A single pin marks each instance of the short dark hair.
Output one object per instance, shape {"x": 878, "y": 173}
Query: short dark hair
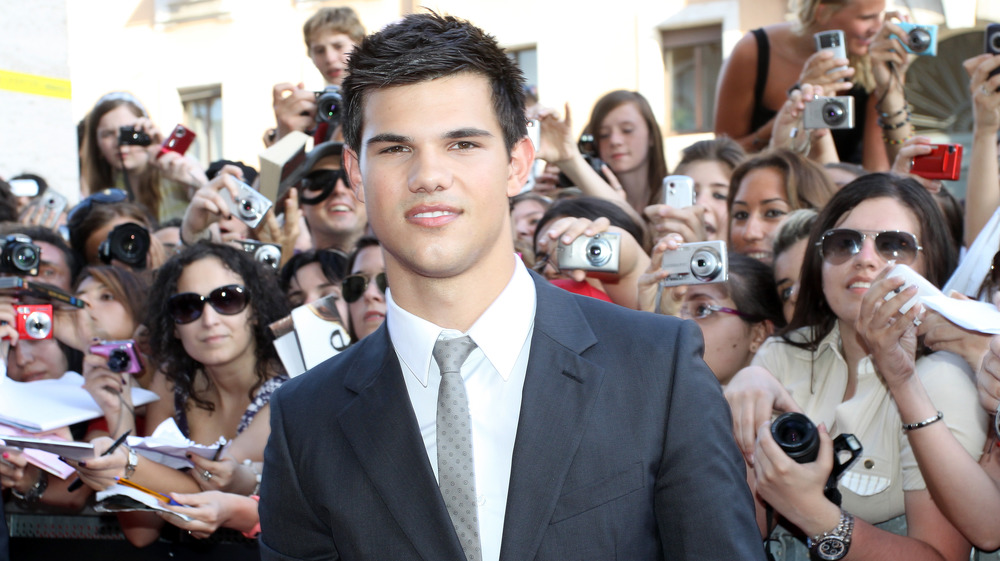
{"x": 722, "y": 149}
{"x": 332, "y": 262}
{"x": 751, "y": 286}
{"x": 267, "y": 304}
{"x": 423, "y": 47}
{"x": 811, "y": 308}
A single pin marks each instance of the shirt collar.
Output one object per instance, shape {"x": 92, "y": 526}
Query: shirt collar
{"x": 500, "y": 331}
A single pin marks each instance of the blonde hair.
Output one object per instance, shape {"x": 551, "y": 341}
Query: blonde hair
{"x": 805, "y": 11}
{"x": 338, "y": 20}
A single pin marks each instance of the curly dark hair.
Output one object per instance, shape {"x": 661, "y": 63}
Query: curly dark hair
{"x": 266, "y": 301}
{"x": 423, "y": 47}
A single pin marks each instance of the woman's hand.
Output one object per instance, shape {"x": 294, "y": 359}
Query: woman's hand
{"x": 789, "y": 132}
{"x": 649, "y": 282}
{"x": 112, "y": 391}
{"x": 912, "y": 148}
{"x": 754, "y": 395}
{"x": 225, "y": 474}
{"x": 102, "y": 471}
{"x": 985, "y": 98}
{"x": 988, "y": 377}
{"x": 888, "y": 55}
{"x": 564, "y": 231}
{"x": 212, "y": 510}
{"x": 940, "y": 334}
{"x": 689, "y": 222}
{"x": 15, "y": 472}
{"x": 209, "y": 205}
{"x": 182, "y": 169}
{"x": 556, "y": 135}
{"x": 285, "y": 235}
{"x": 891, "y": 336}
{"x": 8, "y": 319}
{"x": 818, "y": 71}
{"x": 796, "y": 490}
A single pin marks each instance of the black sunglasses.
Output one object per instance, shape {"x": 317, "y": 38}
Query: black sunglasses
{"x": 837, "y": 246}
{"x": 82, "y": 209}
{"x": 355, "y": 285}
{"x": 322, "y": 181}
{"x": 188, "y": 306}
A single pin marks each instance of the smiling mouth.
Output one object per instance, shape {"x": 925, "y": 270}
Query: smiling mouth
{"x": 859, "y": 284}
{"x": 433, "y": 214}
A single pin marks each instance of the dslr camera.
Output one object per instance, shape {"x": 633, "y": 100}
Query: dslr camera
{"x": 696, "y": 263}
{"x": 249, "y": 206}
{"x": 121, "y": 356}
{"x": 34, "y": 321}
{"x": 829, "y": 113}
{"x": 266, "y": 253}
{"x": 798, "y": 437}
{"x": 599, "y": 253}
{"x": 328, "y": 104}
{"x": 128, "y": 243}
{"x": 19, "y": 256}
{"x": 920, "y": 39}
{"x": 130, "y": 136}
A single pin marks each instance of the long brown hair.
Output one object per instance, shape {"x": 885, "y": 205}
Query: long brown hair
{"x": 97, "y": 172}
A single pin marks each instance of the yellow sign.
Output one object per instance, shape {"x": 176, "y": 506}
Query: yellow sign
{"x": 35, "y": 85}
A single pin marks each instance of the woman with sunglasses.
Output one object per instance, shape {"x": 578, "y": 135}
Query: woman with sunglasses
{"x": 364, "y": 289}
{"x": 849, "y": 360}
{"x": 736, "y": 316}
{"x": 208, "y": 320}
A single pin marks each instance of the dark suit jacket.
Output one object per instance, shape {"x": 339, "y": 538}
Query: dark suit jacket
{"x": 624, "y": 450}
{"x": 4, "y": 534}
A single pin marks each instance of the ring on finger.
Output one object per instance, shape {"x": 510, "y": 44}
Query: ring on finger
{"x": 207, "y": 475}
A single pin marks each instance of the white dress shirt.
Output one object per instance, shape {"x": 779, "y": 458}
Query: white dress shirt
{"x": 494, "y": 378}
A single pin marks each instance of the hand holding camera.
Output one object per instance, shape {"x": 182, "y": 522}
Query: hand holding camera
{"x": 829, "y": 65}
{"x": 294, "y": 108}
{"x": 210, "y": 204}
{"x": 678, "y": 213}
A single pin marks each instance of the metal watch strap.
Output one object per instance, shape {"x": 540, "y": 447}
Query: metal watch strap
{"x": 133, "y": 460}
{"x": 35, "y": 492}
{"x": 834, "y": 544}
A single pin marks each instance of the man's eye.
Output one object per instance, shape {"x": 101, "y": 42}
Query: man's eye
{"x": 394, "y": 150}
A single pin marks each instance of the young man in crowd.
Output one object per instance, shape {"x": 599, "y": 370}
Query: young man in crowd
{"x": 330, "y": 35}
{"x": 493, "y": 416}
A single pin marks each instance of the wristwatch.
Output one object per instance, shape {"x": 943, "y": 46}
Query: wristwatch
{"x": 34, "y": 493}
{"x": 834, "y": 544}
{"x": 133, "y": 460}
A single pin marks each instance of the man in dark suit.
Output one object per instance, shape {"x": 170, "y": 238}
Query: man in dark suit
{"x": 594, "y": 432}
{"x": 4, "y": 535}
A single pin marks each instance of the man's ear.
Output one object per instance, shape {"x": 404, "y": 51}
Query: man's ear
{"x": 522, "y": 157}
{"x": 353, "y": 168}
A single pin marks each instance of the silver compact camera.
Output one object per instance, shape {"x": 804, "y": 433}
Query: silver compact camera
{"x": 266, "y": 253}
{"x": 829, "y": 113}
{"x": 598, "y": 253}
{"x": 696, "y": 263}
{"x": 249, "y": 206}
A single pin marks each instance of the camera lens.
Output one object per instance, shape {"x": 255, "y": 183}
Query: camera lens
{"x": 247, "y": 209}
{"x": 38, "y": 325}
{"x": 994, "y": 43}
{"x": 797, "y": 436}
{"x": 25, "y": 257}
{"x": 833, "y": 113}
{"x": 705, "y": 265}
{"x": 919, "y": 39}
{"x": 598, "y": 251}
{"x": 268, "y": 255}
{"x": 118, "y": 361}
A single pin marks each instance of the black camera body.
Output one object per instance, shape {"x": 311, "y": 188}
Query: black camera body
{"x": 130, "y": 136}
{"x": 19, "y": 256}
{"x": 328, "y": 103}
{"x": 128, "y": 243}
{"x": 993, "y": 45}
{"x": 798, "y": 437}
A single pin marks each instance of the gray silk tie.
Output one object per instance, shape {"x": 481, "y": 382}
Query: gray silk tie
{"x": 456, "y": 471}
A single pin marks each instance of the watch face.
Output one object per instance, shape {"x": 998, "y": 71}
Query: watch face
{"x": 831, "y": 548}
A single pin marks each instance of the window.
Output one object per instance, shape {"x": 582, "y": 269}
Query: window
{"x": 692, "y": 59}
{"x": 180, "y": 11}
{"x": 527, "y": 60}
{"x": 203, "y": 115}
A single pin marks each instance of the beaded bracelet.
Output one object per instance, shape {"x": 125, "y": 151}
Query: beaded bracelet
{"x": 886, "y": 127}
{"x": 896, "y": 114}
{"x": 895, "y": 141}
{"x": 929, "y": 421}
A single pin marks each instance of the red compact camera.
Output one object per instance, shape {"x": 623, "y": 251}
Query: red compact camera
{"x": 178, "y": 141}
{"x": 34, "y": 321}
{"x": 944, "y": 162}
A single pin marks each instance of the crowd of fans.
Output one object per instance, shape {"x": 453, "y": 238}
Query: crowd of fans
{"x": 811, "y": 222}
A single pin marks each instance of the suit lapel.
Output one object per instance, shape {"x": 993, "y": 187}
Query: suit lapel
{"x": 560, "y": 389}
{"x": 382, "y": 430}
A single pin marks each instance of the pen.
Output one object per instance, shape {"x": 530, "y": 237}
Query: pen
{"x": 218, "y": 452}
{"x": 121, "y": 439}
{"x": 160, "y": 497}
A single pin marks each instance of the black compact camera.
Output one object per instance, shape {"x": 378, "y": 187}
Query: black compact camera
{"x": 798, "y": 437}
{"x": 130, "y": 136}
{"x": 128, "y": 243}
{"x": 993, "y": 44}
{"x": 19, "y": 256}
{"x": 266, "y": 253}
{"x": 328, "y": 104}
